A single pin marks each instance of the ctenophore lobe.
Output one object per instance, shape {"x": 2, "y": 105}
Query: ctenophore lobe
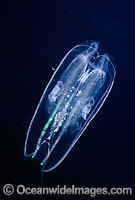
{"x": 72, "y": 98}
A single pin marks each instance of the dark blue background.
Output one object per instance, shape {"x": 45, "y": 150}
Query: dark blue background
{"x": 35, "y": 35}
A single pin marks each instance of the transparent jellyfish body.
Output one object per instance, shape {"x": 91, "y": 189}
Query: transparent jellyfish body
{"x": 72, "y": 98}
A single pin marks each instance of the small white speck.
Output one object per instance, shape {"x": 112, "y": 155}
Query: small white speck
{"x": 79, "y": 92}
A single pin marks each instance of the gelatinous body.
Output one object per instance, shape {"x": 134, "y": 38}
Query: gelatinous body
{"x": 71, "y": 100}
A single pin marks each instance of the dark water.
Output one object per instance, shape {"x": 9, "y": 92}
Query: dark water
{"x": 35, "y": 35}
